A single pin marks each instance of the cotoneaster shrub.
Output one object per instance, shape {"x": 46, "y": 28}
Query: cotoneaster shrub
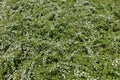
{"x": 59, "y": 40}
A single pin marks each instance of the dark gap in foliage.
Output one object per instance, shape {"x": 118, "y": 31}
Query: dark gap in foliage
{"x": 117, "y": 14}
{"x": 51, "y": 60}
{"x": 84, "y": 50}
{"x": 6, "y": 48}
{"x": 78, "y": 38}
{"x": 52, "y": 17}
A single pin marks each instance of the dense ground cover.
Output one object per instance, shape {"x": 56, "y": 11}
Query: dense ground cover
{"x": 59, "y": 39}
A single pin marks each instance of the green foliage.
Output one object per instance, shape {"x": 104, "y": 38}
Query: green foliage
{"x": 59, "y": 40}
